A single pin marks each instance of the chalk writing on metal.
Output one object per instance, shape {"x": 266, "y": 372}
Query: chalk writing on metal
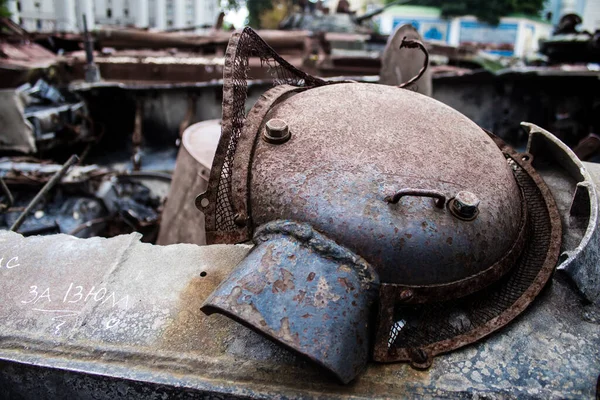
{"x": 11, "y": 262}
{"x": 48, "y": 299}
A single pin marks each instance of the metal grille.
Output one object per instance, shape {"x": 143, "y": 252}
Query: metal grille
{"x": 242, "y": 47}
{"x": 430, "y": 329}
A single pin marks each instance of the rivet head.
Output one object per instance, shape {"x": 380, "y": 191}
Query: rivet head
{"x": 465, "y": 205}
{"x": 240, "y": 219}
{"x": 276, "y": 131}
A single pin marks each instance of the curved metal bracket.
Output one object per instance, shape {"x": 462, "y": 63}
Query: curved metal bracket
{"x": 415, "y": 44}
{"x": 581, "y": 260}
{"x": 439, "y": 196}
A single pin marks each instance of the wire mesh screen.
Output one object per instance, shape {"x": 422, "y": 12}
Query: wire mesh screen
{"x": 419, "y": 326}
{"x": 243, "y": 47}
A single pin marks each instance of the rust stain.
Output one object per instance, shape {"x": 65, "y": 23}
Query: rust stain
{"x": 254, "y": 283}
{"x": 346, "y": 284}
{"x": 267, "y": 259}
{"x": 191, "y": 329}
{"x": 286, "y": 283}
{"x": 246, "y": 311}
{"x": 285, "y": 333}
{"x": 300, "y": 296}
{"x": 311, "y": 276}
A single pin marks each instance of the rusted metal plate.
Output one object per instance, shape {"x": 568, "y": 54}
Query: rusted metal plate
{"x": 361, "y": 143}
{"x": 25, "y": 55}
{"x": 305, "y": 292}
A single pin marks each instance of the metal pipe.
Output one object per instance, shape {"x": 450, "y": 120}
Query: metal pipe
{"x": 49, "y": 185}
{"x": 87, "y": 42}
{"x": 379, "y": 10}
{"x": 89, "y": 224}
{"x": 9, "y": 196}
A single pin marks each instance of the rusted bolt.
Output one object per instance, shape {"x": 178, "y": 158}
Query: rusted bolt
{"x": 419, "y": 358}
{"x": 276, "y": 131}
{"x": 406, "y": 294}
{"x": 465, "y": 205}
{"x": 240, "y": 219}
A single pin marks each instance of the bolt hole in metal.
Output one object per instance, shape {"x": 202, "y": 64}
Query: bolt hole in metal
{"x": 203, "y": 274}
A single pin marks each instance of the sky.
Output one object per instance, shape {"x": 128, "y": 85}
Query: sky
{"x": 237, "y": 18}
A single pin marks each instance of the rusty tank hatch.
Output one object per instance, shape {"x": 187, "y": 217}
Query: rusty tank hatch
{"x": 386, "y": 224}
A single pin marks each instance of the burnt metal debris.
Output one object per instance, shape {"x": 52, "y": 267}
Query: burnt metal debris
{"x": 580, "y": 258}
{"x": 84, "y": 201}
{"x": 437, "y": 208}
{"x": 40, "y": 195}
{"x": 41, "y": 117}
{"x": 569, "y": 45}
{"x": 333, "y": 274}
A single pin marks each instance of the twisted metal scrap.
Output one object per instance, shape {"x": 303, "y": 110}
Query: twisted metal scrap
{"x": 415, "y": 44}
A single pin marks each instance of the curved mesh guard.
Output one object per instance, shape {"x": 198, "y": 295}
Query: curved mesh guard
{"x": 417, "y": 333}
{"x": 220, "y": 215}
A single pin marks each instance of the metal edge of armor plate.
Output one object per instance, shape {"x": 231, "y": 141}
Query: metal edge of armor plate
{"x": 581, "y": 263}
{"x": 305, "y": 292}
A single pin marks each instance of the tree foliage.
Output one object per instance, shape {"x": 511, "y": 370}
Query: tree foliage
{"x": 255, "y": 9}
{"x": 4, "y": 8}
{"x": 489, "y": 11}
{"x": 264, "y": 14}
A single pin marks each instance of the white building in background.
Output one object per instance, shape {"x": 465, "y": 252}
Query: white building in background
{"x": 513, "y": 36}
{"x": 67, "y": 15}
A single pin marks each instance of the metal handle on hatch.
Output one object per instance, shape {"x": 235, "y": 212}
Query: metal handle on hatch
{"x": 440, "y": 198}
